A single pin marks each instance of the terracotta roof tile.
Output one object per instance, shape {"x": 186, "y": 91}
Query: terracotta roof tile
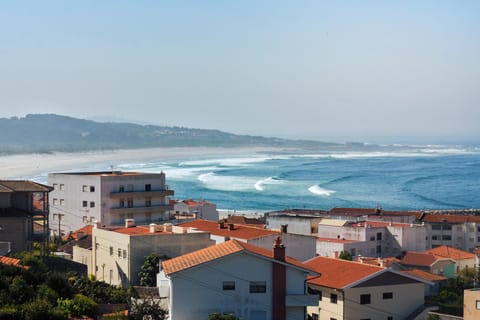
{"x": 86, "y": 230}
{"x": 138, "y": 231}
{"x": 419, "y": 259}
{"x": 240, "y": 231}
{"x": 218, "y": 251}
{"x": 12, "y": 262}
{"x": 452, "y": 253}
{"x": 338, "y": 273}
{"x": 424, "y": 275}
{"x": 450, "y": 218}
{"x": 23, "y": 185}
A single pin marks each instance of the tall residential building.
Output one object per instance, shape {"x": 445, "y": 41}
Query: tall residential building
{"x": 80, "y": 198}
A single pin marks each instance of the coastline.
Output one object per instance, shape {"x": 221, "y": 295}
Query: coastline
{"x": 25, "y": 166}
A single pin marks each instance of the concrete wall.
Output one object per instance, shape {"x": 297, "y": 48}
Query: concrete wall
{"x": 5, "y": 200}
{"x": 17, "y": 231}
{"x": 297, "y": 246}
{"x": 83, "y": 256}
{"x": 326, "y": 310}
{"x": 296, "y": 224}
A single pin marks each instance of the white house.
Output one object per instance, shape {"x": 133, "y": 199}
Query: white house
{"x": 80, "y": 198}
{"x": 237, "y": 278}
{"x": 201, "y": 209}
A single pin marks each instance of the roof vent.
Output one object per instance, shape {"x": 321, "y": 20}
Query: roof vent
{"x": 129, "y": 223}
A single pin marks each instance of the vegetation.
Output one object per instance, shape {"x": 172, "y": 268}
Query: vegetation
{"x": 224, "y": 316}
{"x": 345, "y": 255}
{"x": 147, "y": 309}
{"x": 39, "y": 293}
{"x": 149, "y": 269}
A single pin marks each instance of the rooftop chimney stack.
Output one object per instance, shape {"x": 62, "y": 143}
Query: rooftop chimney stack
{"x": 221, "y": 224}
{"x": 231, "y": 226}
{"x": 284, "y": 228}
{"x": 278, "y": 249}
{"x": 279, "y": 282}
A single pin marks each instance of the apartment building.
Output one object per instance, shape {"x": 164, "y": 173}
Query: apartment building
{"x": 110, "y": 197}
{"x": 21, "y": 202}
{"x": 352, "y": 290}
{"x": 237, "y": 278}
{"x": 119, "y": 252}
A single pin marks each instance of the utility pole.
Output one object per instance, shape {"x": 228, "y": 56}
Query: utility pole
{"x": 60, "y": 216}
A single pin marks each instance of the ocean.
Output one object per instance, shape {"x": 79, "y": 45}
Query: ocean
{"x": 423, "y": 177}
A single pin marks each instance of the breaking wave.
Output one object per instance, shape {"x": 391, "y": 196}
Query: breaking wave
{"x": 316, "y": 189}
{"x": 260, "y": 184}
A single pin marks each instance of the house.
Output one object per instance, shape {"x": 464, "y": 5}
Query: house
{"x": 238, "y": 278}
{"x": 429, "y": 262}
{"x": 200, "y": 209}
{"x": 80, "y": 198}
{"x": 298, "y": 246}
{"x": 118, "y": 252}
{"x": 434, "y": 279}
{"x": 471, "y": 304}
{"x": 299, "y": 221}
{"x": 462, "y": 258}
{"x": 352, "y": 290}
{"x": 21, "y": 202}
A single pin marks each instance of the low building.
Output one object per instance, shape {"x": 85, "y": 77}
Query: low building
{"x": 237, "y": 278}
{"x": 435, "y": 280}
{"x": 119, "y": 252}
{"x": 108, "y": 197}
{"x": 352, "y": 290}
{"x": 299, "y": 247}
{"x": 462, "y": 258}
{"x": 200, "y": 209}
{"x": 471, "y": 304}
{"x": 429, "y": 262}
{"x": 299, "y": 221}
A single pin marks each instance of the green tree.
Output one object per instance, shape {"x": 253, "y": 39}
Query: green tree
{"x": 149, "y": 269}
{"x": 345, "y": 255}
{"x": 220, "y": 316}
{"x": 78, "y": 306}
{"x": 147, "y": 309}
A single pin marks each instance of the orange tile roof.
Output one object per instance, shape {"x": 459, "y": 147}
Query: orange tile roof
{"x": 452, "y": 253}
{"x": 12, "y": 262}
{"x": 424, "y": 275}
{"x": 338, "y": 273}
{"x": 377, "y": 261}
{"x": 240, "y": 231}
{"x": 419, "y": 259}
{"x": 193, "y": 203}
{"x": 219, "y": 251}
{"x": 450, "y": 218}
{"x": 86, "y": 230}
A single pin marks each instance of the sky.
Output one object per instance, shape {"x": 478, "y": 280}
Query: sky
{"x": 327, "y": 70}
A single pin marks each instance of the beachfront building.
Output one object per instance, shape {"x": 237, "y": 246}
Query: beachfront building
{"x": 299, "y": 247}
{"x": 352, "y": 290}
{"x": 110, "y": 197}
{"x": 237, "y": 278}
{"x": 368, "y": 238}
{"x": 298, "y": 221}
{"x": 199, "y": 209}
{"x": 119, "y": 252}
{"x": 22, "y": 202}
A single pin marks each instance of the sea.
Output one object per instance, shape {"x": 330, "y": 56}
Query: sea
{"x": 401, "y": 178}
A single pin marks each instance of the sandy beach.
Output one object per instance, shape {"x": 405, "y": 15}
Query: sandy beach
{"x": 30, "y": 165}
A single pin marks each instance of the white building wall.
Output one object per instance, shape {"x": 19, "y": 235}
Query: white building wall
{"x": 296, "y": 224}
{"x": 299, "y": 247}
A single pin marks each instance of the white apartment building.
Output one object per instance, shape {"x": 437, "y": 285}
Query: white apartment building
{"x": 80, "y": 198}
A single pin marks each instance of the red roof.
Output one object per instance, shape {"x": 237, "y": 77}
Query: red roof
{"x": 239, "y": 231}
{"x": 419, "y": 259}
{"x": 86, "y": 230}
{"x": 452, "y": 253}
{"x": 450, "y": 218}
{"x": 221, "y": 250}
{"x": 424, "y": 275}
{"x": 378, "y": 261}
{"x": 338, "y": 273}
{"x": 12, "y": 262}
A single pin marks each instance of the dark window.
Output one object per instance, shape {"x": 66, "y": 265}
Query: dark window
{"x": 434, "y": 238}
{"x": 130, "y": 203}
{"x": 390, "y": 318}
{"x": 85, "y": 203}
{"x": 258, "y": 287}
{"x": 124, "y": 254}
{"x": 447, "y": 227}
{"x": 121, "y": 188}
{"x": 379, "y": 249}
{"x": 228, "y": 285}
{"x": 119, "y": 252}
{"x": 92, "y": 188}
{"x": 111, "y": 251}
{"x": 372, "y": 238}
{"x": 364, "y": 299}
{"x": 436, "y": 227}
{"x": 122, "y": 203}
{"x": 379, "y": 236}
{"x": 446, "y": 237}
{"x": 333, "y": 298}
{"x": 315, "y": 316}
{"x": 148, "y": 202}
{"x": 148, "y": 187}
{"x": 388, "y": 295}
{"x": 92, "y": 204}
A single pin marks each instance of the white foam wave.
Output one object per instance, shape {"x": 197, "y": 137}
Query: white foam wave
{"x": 214, "y": 181}
{"x": 225, "y": 162}
{"x": 260, "y": 184}
{"x": 316, "y": 189}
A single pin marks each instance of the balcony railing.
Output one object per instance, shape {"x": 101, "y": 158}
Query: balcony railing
{"x": 143, "y": 209}
{"x": 136, "y": 194}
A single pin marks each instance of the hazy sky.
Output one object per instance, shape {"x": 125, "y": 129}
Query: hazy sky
{"x": 310, "y": 69}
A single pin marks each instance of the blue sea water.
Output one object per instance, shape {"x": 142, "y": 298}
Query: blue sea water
{"x": 404, "y": 179}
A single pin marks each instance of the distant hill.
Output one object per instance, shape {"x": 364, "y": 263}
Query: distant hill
{"x": 42, "y": 133}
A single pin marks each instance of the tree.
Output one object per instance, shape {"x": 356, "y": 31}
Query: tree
{"x": 224, "y": 316}
{"x": 345, "y": 255}
{"x": 147, "y": 309}
{"x": 149, "y": 269}
{"x": 78, "y": 306}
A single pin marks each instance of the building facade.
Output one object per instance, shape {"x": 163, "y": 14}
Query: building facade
{"x": 79, "y": 199}
{"x": 200, "y": 209}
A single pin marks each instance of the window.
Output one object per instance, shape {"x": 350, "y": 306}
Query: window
{"x": 446, "y": 237}
{"x": 119, "y": 252}
{"x": 84, "y": 188}
{"x": 387, "y": 295}
{"x": 333, "y": 298}
{"x": 389, "y": 318}
{"x": 62, "y": 202}
{"x": 121, "y": 188}
{"x": 148, "y": 216}
{"x": 92, "y": 204}
{"x": 379, "y": 236}
{"x": 364, "y": 299}
{"x": 372, "y": 238}
{"x": 92, "y": 188}
{"x": 111, "y": 251}
{"x": 124, "y": 252}
{"x": 477, "y": 304}
{"x": 84, "y": 203}
{"x": 436, "y": 227}
{"x": 315, "y": 292}
{"x": 447, "y": 227}
{"x": 434, "y": 238}
{"x": 228, "y": 285}
{"x": 258, "y": 286}
{"x": 148, "y": 187}
{"x": 55, "y": 186}
{"x": 148, "y": 202}
{"x": 379, "y": 249}
{"x": 54, "y": 216}
{"x": 62, "y": 186}
{"x": 315, "y": 316}
{"x": 85, "y": 219}
{"x": 129, "y": 203}
{"x": 55, "y": 201}
{"x": 122, "y": 203}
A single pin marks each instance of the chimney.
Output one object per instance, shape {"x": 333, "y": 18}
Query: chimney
{"x": 221, "y": 224}
{"x": 284, "y": 228}
{"x": 231, "y": 226}
{"x": 279, "y": 282}
{"x": 153, "y": 228}
{"x": 129, "y": 223}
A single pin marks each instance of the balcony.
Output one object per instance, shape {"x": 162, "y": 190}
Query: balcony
{"x": 141, "y": 194}
{"x": 134, "y": 210}
{"x": 301, "y": 300}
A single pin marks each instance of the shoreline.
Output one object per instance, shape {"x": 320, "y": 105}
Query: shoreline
{"x": 26, "y": 166}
